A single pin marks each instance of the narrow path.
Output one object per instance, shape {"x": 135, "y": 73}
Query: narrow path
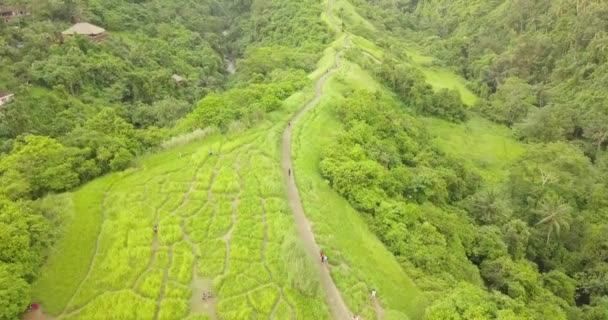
{"x": 336, "y": 304}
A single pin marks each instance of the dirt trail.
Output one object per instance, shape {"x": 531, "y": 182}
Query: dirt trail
{"x": 338, "y": 308}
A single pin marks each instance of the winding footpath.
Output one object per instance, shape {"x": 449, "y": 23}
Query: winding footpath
{"x": 336, "y": 304}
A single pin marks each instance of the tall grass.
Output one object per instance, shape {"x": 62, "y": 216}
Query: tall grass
{"x": 188, "y": 138}
{"x": 300, "y": 267}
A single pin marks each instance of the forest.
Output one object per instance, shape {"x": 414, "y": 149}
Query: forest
{"x": 530, "y": 244}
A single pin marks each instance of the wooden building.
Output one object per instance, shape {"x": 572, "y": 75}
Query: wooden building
{"x": 9, "y": 13}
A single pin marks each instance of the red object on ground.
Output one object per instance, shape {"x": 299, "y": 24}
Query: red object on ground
{"x": 35, "y": 306}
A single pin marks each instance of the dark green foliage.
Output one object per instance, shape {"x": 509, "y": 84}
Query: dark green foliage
{"x": 534, "y": 238}
{"x": 511, "y": 102}
{"x": 246, "y": 104}
{"x": 381, "y": 162}
{"x": 24, "y": 234}
{"x": 409, "y": 84}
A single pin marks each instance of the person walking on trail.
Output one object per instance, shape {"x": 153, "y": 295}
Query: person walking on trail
{"x": 210, "y": 152}
{"x": 374, "y": 293}
{"x": 289, "y": 172}
{"x": 289, "y": 123}
{"x": 325, "y": 259}
{"x": 155, "y": 228}
{"x": 322, "y": 255}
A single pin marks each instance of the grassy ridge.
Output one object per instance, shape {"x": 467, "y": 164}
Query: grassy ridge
{"x": 359, "y": 260}
{"x": 356, "y": 253}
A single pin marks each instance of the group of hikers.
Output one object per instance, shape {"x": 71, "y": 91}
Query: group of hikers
{"x": 207, "y": 295}
{"x": 324, "y": 257}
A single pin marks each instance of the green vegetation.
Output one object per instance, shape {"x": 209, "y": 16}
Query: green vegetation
{"x": 207, "y": 229}
{"x": 457, "y": 161}
{"x": 482, "y": 146}
{"x": 488, "y": 227}
{"x": 84, "y": 108}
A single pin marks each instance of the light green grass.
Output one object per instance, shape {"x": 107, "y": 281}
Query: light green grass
{"x": 328, "y": 59}
{"x": 417, "y": 57}
{"x": 344, "y": 11}
{"x": 368, "y": 46}
{"x": 359, "y": 260}
{"x": 441, "y": 79}
{"x": 485, "y": 147}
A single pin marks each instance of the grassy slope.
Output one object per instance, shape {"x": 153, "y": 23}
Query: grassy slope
{"x": 483, "y": 146}
{"x": 360, "y": 261}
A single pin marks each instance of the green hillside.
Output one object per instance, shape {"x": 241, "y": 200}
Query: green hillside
{"x": 448, "y": 157}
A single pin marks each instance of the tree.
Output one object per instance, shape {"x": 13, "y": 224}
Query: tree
{"x": 541, "y": 125}
{"x": 554, "y": 215}
{"x": 516, "y": 235}
{"x": 465, "y": 302}
{"x": 517, "y": 279}
{"x": 489, "y": 206}
{"x": 488, "y": 244}
{"x": 561, "y": 285}
{"x": 14, "y": 293}
{"x": 37, "y": 165}
{"x": 511, "y": 102}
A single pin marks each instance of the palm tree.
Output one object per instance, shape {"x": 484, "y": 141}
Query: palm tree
{"x": 555, "y": 215}
{"x": 490, "y": 206}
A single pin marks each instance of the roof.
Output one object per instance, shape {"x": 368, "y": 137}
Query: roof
{"x": 6, "y": 9}
{"x": 13, "y": 9}
{"x": 84, "y": 28}
{"x": 178, "y": 78}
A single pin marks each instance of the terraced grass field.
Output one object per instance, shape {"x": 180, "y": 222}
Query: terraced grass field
{"x": 222, "y": 221}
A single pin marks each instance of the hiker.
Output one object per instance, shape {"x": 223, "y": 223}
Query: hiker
{"x": 289, "y": 172}
{"x": 155, "y": 228}
{"x": 325, "y": 258}
{"x": 322, "y": 255}
{"x": 289, "y": 123}
{"x": 210, "y": 152}
{"x": 34, "y": 306}
{"x": 374, "y": 293}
